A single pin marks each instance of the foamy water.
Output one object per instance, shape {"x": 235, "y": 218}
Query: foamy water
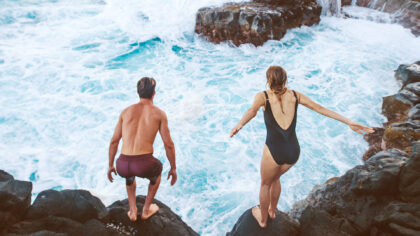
{"x": 68, "y": 68}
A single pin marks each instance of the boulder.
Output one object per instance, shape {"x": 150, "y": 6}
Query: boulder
{"x": 409, "y": 182}
{"x": 255, "y": 22}
{"x": 164, "y": 223}
{"x": 15, "y": 198}
{"x": 78, "y": 205}
{"x": 398, "y": 218}
{"x": 395, "y": 107}
{"x": 401, "y": 135}
{"x": 414, "y": 87}
{"x": 60, "y": 225}
{"x": 350, "y": 204}
{"x": 408, "y": 73}
{"x": 414, "y": 113}
{"x": 375, "y": 141}
{"x": 281, "y": 225}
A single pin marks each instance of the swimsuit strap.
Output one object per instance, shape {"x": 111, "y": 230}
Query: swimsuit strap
{"x": 297, "y": 101}
{"x": 266, "y": 96}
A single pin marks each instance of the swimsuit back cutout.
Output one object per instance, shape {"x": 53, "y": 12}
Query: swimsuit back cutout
{"x": 282, "y": 143}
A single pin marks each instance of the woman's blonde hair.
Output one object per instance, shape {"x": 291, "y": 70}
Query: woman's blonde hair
{"x": 276, "y": 80}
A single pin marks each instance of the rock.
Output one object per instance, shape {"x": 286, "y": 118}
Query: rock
{"x": 380, "y": 173}
{"x": 281, "y": 225}
{"x": 55, "y": 225}
{"x": 401, "y": 135}
{"x": 350, "y": 204}
{"x": 408, "y": 73}
{"x": 15, "y": 198}
{"x": 374, "y": 140}
{"x": 409, "y": 184}
{"x": 78, "y": 205}
{"x": 395, "y": 107}
{"x": 414, "y": 113}
{"x": 414, "y": 87}
{"x": 399, "y": 218}
{"x": 255, "y": 22}
{"x": 316, "y": 222}
{"x": 165, "y": 222}
{"x": 410, "y": 96}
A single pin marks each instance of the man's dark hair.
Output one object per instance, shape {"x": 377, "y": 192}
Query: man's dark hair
{"x": 146, "y": 87}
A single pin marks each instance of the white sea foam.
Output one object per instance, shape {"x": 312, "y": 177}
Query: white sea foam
{"x": 67, "y": 68}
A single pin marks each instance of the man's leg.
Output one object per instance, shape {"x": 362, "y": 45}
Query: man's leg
{"x": 149, "y": 209}
{"x": 131, "y": 192}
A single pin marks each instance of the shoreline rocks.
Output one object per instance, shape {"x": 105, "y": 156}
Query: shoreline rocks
{"x": 255, "y": 22}
{"x": 77, "y": 212}
{"x": 407, "y": 12}
{"x": 402, "y": 111}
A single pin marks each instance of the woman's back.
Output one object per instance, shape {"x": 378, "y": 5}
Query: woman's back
{"x": 288, "y": 103}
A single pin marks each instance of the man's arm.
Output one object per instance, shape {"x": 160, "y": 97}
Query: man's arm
{"x": 113, "y": 147}
{"x": 169, "y": 146}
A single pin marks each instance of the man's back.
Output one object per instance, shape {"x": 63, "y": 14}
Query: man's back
{"x": 140, "y": 124}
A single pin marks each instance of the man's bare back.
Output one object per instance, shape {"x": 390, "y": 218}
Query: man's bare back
{"x": 140, "y": 124}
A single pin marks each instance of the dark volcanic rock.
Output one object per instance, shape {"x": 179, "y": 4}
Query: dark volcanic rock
{"x": 78, "y": 205}
{"x": 15, "y": 198}
{"x": 350, "y": 204}
{"x": 281, "y": 225}
{"x": 165, "y": 222}
{"x": 375, "y": 141}
{"x": 414, "y": 113}
{"x": 395, "y": 107}
{"x": 408, "y": 73}
{"x": 255, "y": 22}
{"x": 414, "y": 87}
{"x": 409, "y": 184}
{"x": 401, "y": 135}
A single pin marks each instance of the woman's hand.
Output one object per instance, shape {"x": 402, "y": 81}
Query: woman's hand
{"x": 235, "y": 130}
{"x": 357, "y": 127}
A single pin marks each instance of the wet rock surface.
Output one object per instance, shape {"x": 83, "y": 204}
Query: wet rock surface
{"x": 402, "y": 111}
{"x": 15, "y": 199}
{"x": 281, "y": 225}
{"x": 76, "y": 212}
{"x": 255, "y": 22}
{"x": 407, "y": 12}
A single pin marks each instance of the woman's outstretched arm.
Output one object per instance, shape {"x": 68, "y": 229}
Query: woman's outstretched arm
{"x": 307, "y": 102}
{"x": 259, "y": 101}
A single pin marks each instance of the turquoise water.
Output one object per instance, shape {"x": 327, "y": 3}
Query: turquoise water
{"x": 68, "y": 68}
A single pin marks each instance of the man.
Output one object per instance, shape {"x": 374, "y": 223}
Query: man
{"x": 138, "y": 125}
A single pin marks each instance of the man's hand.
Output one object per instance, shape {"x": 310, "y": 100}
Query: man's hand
{"x": 172, "y": 173}
{"x": 110, "y": 170}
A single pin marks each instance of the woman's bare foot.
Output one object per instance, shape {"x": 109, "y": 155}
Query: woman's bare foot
{"x": 132, "y": 215}
{"x": 272, "y": 213}
{"x": 256, "y": 212}
{"x": 152, "y": 210}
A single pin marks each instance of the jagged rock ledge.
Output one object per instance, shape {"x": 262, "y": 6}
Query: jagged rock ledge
{"x": 76, "y": 212}
{"x": 255, "y": 22}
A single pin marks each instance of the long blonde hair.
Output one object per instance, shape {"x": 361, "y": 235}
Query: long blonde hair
{"x": 276, "y": 80}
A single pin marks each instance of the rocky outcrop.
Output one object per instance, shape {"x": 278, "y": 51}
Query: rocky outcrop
{"x": 15, "y": 199}
{"x": 402, "y": 111}
{"x": 380, "y": 197}
{"x": 281, "y": 225}
{"x": 76, "y": 212}
{"x": 407, "y": 12}
{"x": 255, "y": 22}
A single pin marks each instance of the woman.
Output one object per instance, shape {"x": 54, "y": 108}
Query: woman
{"x": 282, "y": 147}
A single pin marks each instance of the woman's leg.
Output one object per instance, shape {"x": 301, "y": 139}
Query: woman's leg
{"x": 275, "y": 190}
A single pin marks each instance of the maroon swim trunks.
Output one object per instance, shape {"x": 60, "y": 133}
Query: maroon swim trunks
{"x": 143, "y": 166}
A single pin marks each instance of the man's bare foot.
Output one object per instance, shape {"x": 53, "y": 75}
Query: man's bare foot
{"x": 272, "y": 213}
{"x": 152, "y": 210}
{"x": 132, "y": 215}
{"x": 256, "y": 212}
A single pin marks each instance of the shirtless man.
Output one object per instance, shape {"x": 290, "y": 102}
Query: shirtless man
{"x": 138, "y": 125}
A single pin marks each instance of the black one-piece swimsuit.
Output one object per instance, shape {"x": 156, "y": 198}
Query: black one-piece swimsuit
{"x": 282, "y": 143}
